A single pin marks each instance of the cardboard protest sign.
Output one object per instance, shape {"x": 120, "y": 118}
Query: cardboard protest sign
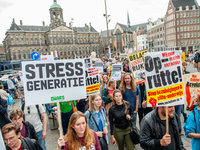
{"x": 87, "y": 62}
{"x": 92, "y": 81}
{"x": 99, "y": 66}
{"x": 2, "y": 145}
{"x": 192, "y": 89}
{"x": 164, "y": 78}
{"x": 116, "y": 72}
{"x": 137, "y": 66}
{"x": 55, "y": 81}
{"x": 47, "y": 57}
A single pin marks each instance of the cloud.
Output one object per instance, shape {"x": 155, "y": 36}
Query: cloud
{"x": 5, "y": 4}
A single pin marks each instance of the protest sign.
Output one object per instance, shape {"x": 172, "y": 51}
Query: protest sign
{"x": 2, "y": 145}
{"x": 47, "y": 57}
{"x": 92, "y": 81}
{"x": 192, "y": 89}
{"x": 99, "y": 66}
{"x": 55, "y": 81}
{"x": 137, "y": 66}
{"x": 116, "y": 72}
{"x": 164, "y": 78}
{"x": 87, "y": 62}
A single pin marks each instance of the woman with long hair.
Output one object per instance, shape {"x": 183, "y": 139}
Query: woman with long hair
{"x": 108, "y": 95}
{"x": 119, "y": 116}
{"x": 104, "y": 84}
{"x": 97, "y": 113}
{"x": 109, "y": 73}
{"x": 130, "y": 93}
{"x": 79, "y": 135}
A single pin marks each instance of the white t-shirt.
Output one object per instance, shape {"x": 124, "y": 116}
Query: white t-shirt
{"x": 10, "y": 84}
{"x": 34, "y": 117}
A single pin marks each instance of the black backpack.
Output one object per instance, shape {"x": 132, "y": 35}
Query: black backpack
{"x": 37, "y": 106}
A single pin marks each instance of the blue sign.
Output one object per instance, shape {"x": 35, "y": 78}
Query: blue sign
{"x": 35, "y": 55}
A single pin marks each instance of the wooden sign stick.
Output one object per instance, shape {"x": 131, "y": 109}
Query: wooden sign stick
{"x": 59, "y": 119}
{"x": 167, "y": 121}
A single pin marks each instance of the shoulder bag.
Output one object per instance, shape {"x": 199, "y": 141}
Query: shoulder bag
{"x": 134, "y": 134}
{"x": 102, "y": 140}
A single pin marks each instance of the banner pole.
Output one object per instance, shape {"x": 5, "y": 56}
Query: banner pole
{"x": 167, "y": 121}
{"x": 59, "y": 119}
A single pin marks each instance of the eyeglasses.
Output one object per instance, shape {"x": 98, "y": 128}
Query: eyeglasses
{"x": 10, "y": 139}
{"x": 28, "y": 108}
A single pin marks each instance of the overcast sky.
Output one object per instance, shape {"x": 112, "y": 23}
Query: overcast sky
{"x": 33, "y": 12}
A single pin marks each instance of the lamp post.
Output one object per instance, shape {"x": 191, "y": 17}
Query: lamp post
{"x": 149, "y": 21}
{"x": 73, "y": 37}
{"x": 106, "y": 15}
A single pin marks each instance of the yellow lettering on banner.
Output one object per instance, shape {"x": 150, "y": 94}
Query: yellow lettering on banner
{"x": 164, "y": 94}
{"x": 92, "y": 88}
{"x": 137, "y": 56}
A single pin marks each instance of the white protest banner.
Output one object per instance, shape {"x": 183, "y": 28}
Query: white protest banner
{"x": 116, "y": 72}
{"x": 2, "y": 145}
{"x": 55, "y": 81}
{"x": 99, "y": 66}
{"x": 164, "y": 78}
{"x": 47, "y": 57}
{"x": 137, "y": 66}
{"x": 92, "y": 81}
{"x": 192, "y": 90}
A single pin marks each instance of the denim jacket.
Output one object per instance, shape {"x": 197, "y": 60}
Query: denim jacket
{"x": 91, "y": 122}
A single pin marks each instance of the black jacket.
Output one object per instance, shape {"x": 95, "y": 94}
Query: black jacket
{"x": 29, "y": 144}
{"x": 152, "y": 131}
{"x": 197, "y": 58}
{"x": 3, "y": 113}
{"x": 30, "y": 131}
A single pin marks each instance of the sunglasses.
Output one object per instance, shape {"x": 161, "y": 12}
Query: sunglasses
{"x": 28, "y": 108}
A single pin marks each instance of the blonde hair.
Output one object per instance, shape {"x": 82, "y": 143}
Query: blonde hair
{"x": 91, "y": 98}
{"x": 72, "y": 138}
{"x": 105, "y": 76}
{"x": 123, "y": 84}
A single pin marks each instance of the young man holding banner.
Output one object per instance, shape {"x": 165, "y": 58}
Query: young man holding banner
{"x": 153, "y": 130}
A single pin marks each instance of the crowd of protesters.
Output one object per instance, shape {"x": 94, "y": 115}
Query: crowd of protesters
{"x": 113, "y": 110}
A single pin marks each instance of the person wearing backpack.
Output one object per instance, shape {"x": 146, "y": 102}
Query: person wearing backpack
{"x": 35, "y": 114}
{"x": 96, "y": 116}
{"x": 192, "y": 126}
{"x": 11, "y": 135}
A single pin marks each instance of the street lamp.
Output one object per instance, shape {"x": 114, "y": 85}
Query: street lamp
{"x": 72, "y": 19}
{"x": 107, "y": 21}
{"x": 149, "y": 21}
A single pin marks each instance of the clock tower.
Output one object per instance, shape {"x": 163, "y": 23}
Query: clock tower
{"x": 56, "y": 15}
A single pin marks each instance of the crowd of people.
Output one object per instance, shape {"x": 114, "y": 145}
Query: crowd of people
{"x": 113, "y": 110}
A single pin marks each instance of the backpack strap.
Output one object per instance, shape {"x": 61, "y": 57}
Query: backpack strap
{"x": 29, "y": 143}
{"x": 194, "y": 115}
{"x": 37, "y": 106}
{"x": 23, "y": 107}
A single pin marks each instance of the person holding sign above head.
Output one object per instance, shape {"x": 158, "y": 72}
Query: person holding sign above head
{"x": 96, "y": 116}
{"x": 153, "y": 134}
{"x": 119, "y": 116}
{"x": 130, "y": 93}
{"x": 11, "y": 135}
{"x": 79, "y": 136}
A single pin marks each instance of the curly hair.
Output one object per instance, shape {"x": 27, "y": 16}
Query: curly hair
{"x": 123, "y": 83}
{"x": 72, "y": 138}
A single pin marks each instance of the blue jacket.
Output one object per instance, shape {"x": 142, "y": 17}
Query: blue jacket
{"x": 91, "y": 122}
{"x": 193, "y": 127}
